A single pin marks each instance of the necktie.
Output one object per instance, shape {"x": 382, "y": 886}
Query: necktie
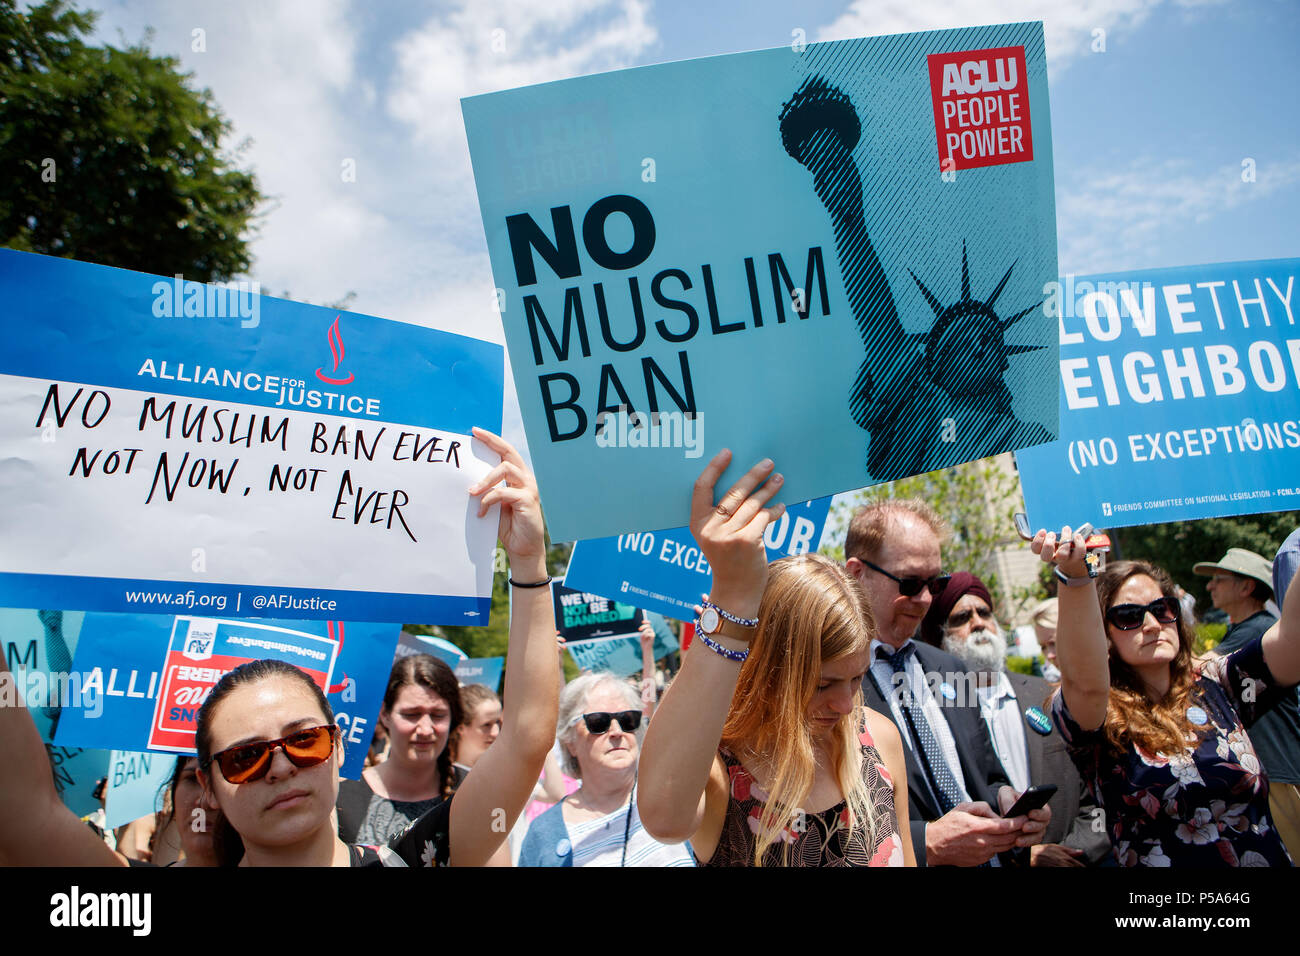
{"x": 57, "y": 659}
{"x": 942, "y": 781}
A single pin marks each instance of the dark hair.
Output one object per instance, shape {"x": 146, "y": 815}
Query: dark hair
{"x": 1131, "y": 717}
{"x": 425, "y": 670}
{"x": 226, "y": 842}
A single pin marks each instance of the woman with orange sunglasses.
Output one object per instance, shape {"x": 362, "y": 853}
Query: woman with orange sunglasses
{"x": 269, "y": 752}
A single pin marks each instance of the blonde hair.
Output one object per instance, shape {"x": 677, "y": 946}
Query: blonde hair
{"x": 813, "y": 612}
{"x": 871, "y": 525}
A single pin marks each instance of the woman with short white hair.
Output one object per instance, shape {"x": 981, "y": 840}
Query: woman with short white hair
{"x": 599, "y": 731}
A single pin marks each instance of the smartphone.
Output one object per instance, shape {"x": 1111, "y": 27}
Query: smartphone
{"x": 1035, "y": 798}
{"x": 1022, "y": 528}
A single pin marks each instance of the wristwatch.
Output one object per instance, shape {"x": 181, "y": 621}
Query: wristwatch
{"x": 714, "y": 621}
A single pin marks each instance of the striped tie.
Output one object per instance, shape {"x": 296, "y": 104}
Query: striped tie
{"x": 942, "y": 782}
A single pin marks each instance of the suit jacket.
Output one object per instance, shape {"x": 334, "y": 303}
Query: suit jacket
{"x": 979, "y": 763}
{"x": 1076, "y": 820}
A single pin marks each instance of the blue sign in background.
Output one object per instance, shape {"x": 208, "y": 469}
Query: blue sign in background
{"x": 39, "y": 646}
{"x": 130, "y": 650}
{"x": 621, "y": 656}
{"x": 664, "y": 571}
{"x": 1180, "y": 398}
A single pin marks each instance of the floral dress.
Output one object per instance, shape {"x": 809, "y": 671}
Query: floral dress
{"x": 815, "y": 839}
{"x": 1203, "y": 807}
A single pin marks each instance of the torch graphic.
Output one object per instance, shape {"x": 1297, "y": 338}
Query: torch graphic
{"x": 336, "y": 348}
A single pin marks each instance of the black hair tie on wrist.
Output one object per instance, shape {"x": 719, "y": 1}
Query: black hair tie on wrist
{"x": 534, "y": 584}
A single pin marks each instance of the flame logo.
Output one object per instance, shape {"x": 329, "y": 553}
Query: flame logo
{"x": 336, "y": 349}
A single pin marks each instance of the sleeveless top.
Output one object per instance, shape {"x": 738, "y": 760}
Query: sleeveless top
{"x": 814, "y": 839}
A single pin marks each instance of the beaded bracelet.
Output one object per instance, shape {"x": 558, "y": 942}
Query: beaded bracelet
{"x": 737, "y": 656}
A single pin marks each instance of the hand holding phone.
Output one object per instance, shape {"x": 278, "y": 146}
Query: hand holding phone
{"x": 1035, "y": 798}
{"x": 1022, "y": 528}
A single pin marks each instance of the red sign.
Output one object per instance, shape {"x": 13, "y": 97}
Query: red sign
{"x": 981, "y": 108}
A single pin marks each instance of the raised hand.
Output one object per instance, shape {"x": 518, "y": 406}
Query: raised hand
{"x": 521, "y": 529}
{"x": 1067, "y": 552}
{"x": 730, "y": 533}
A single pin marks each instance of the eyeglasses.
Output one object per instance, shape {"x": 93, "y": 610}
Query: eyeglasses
{"x": 1129, "y": 617}
{"x": 248, "y": 762}
{"x": 911, "y": 587}
{"x": 598, "y": 723}
{"x": 959, "y": 619}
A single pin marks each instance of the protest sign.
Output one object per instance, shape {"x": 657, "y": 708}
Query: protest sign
{"x": 151, "y": 673}
{"x": 135, "y": 785}
{"x": 581, "y": 616}
{"x": 833, "y": 255}
{"x": 168, "y": 446}
{"x": 38, "y": 647}
{"x": 443, "y": 649}
{"x": 481, "y": 670}
{"x": 621, "y": 656}
{"x": 1179, "y": 398}
{"x": 665, "y": 571}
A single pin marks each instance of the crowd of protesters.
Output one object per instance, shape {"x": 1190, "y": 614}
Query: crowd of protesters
{"x": 855, "y": 713}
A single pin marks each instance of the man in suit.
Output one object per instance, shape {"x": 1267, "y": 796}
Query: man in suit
{"x": 953, "y": 776}
{"x": 1013, "y": 706}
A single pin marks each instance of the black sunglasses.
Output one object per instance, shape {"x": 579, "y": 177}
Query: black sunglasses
{"x": 910, "y": 587}
{"x": 597, "y": 723}
{"x": 1129, "y": 617}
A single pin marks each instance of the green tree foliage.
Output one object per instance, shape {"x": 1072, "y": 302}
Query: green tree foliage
{"x": 1178, "y": 546}
{"x": 977, "y": 499}
{"x": 110, "y": 156}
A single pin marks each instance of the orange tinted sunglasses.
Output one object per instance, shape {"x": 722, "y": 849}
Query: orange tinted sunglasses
{"x": 248, "y": 762}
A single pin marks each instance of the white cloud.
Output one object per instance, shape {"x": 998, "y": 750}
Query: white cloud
{"x": 1067, "y": 26}
{"x": 1108, "y": 220}
{"x": 485, "y": 45}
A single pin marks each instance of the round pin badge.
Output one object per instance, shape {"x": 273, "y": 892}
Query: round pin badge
{"x": 1197, "y": 716}
{"x": 948, "y": 691}
{"x": 1038, "y": 720}
{"x": 563, "y": 847}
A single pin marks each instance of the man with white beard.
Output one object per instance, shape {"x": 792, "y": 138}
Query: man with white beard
{"x": 962, "y": 623}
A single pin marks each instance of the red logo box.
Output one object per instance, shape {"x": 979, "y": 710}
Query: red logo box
{"x": 981, "y": 107}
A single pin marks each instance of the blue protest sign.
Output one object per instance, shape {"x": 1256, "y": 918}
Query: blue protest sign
{"x": 481, "y": 670}
{"x": 38, "y": 647}
{"x": 135, "y": 785}
{"x": 664, "y": 571}
{"x": 582, "y": 616}
{"x": 174, "y": 447}
{"x": 833, "y": 255}
{"x": 439, "y": 647}
{"x": 620, "y": 656}
{"x": 1178, "y": 396}
{"x": 149, "y": 674}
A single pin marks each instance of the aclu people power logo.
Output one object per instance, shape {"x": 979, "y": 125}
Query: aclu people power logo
{"x": 336, "y": 348}
{"x": 981, "y": 108}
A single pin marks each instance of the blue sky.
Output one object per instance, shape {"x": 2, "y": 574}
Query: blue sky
{"x": 1149, "y": 136}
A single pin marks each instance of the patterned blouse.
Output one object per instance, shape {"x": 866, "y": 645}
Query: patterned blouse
{"x": 826, "y": 839}
{"x": 1203, "y": 807}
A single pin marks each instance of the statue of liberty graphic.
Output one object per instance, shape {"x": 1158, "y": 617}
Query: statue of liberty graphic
{"x": 910, "y": 385}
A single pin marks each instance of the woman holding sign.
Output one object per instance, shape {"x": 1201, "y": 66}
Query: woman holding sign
{"x": 761, "y": 753}
{"x": 269, "y": 752}
{"x": 1159, "y": 738}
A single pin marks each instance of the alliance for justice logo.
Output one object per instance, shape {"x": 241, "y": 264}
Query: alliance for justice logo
{"x": 336, "y": 348}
